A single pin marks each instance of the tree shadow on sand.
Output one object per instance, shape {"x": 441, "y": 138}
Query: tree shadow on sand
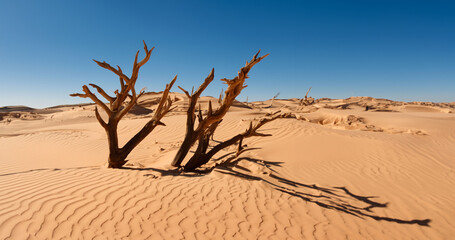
{"x": 334, "y": 198}
{"x": 168, "y": 172}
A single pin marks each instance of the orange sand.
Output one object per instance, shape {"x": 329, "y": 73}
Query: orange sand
{"x": 336, "y": 172}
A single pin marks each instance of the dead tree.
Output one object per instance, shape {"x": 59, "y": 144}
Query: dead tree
{"x": 207, "y": 125}
{"x": 274, "y": 97}
{"x": 119, "y": 106}
{"x": 307, "y": 100}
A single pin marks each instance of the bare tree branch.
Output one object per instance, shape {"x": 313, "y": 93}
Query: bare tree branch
{"x": 185, "y": 91}
{"x": 118, "y": 72}
{"x": 81, "y": 95}
{"x": 103, "y": 93}
{"x": 100, "y": 119}
{"x": 94, "y": 98}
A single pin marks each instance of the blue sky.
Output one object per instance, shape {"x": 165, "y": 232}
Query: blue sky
{"x": 402, "y": 50}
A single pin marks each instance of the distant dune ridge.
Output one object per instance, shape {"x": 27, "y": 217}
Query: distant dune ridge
{"x": 356, "y": 168}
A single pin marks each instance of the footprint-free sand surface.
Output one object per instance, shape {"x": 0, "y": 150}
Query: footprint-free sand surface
{"x": 357, "y": 168}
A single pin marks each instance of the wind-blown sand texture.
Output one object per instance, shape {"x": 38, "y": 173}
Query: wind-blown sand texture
{"x": 335, "y": 172}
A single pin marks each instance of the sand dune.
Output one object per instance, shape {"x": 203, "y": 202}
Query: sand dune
{"x": 357, "y": 168}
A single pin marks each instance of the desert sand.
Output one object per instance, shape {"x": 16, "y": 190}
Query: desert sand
{"x": 356, "y": 168}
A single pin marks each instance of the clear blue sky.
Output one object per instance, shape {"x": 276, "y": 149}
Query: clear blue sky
{"x": 402, "y": 50}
